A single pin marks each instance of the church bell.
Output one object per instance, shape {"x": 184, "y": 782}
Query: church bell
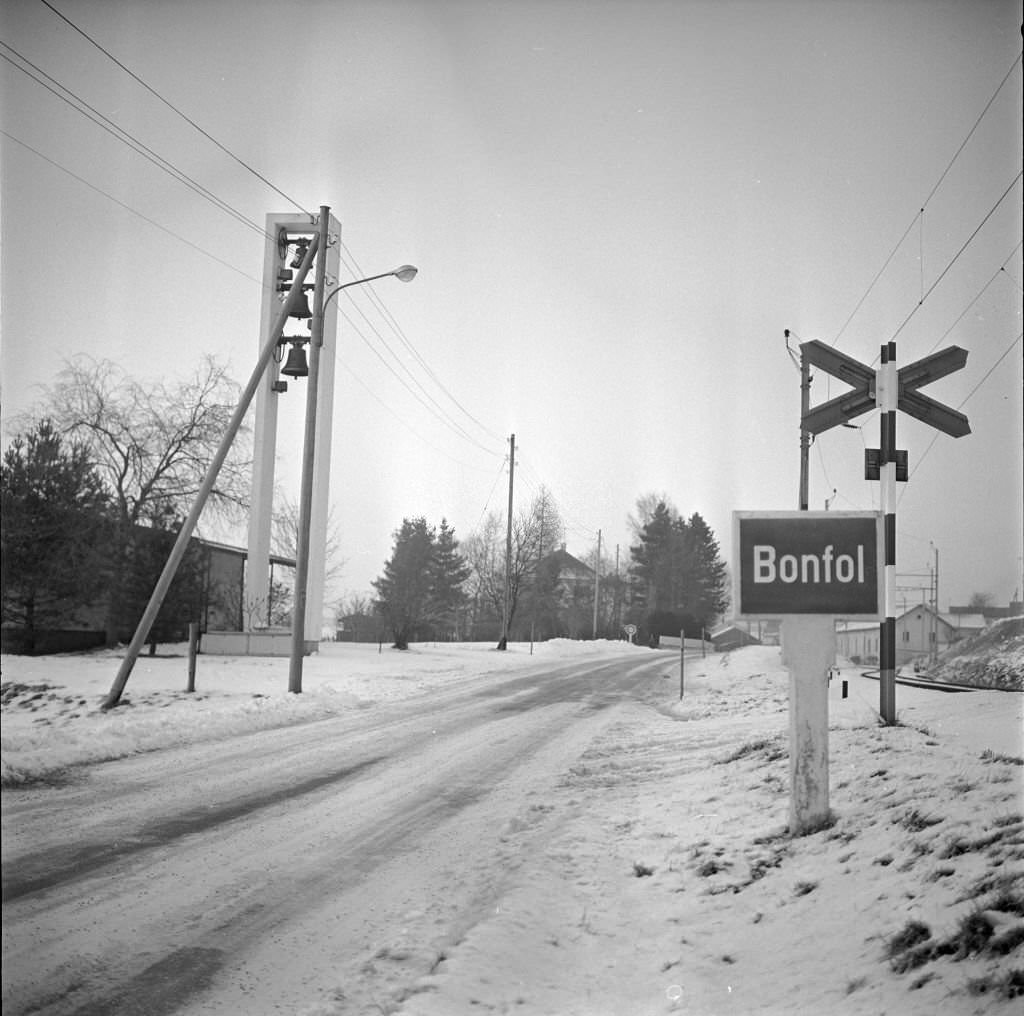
{"x": 295, "y": 365}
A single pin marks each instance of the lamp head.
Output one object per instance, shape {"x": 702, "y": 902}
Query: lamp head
{"x": 406, "y": 273}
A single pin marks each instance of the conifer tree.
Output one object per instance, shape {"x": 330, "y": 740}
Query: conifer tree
{"x": 448, "y": 586}
{"x": 405, "y": 590}
{"x": 55, "y": 524}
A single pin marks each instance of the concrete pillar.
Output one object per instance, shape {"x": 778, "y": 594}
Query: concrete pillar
{"x": 257, "y": 567}
{"x": 322, "y": 450}
{"x": 810, "y": 651}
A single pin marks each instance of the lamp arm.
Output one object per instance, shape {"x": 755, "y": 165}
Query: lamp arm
{"x": 357, "y": 282}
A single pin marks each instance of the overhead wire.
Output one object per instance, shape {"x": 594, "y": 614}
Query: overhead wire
{"x": 125, "y": 137}
{"x": 149, "y": 88}
{"x": 408, "y": 426}
{"x": 924, "y": 205}
{"x": 956, "y": 256}
{"x": 407, "y": 343}
{"x": 129, "y": 208}
{"x": 433, "y": 406}
{"x": 985, "y": 377}
{"x": 138, "y": 146}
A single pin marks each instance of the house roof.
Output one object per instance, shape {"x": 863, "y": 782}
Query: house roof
{"x": 977, "y": 621}
{"x": 566, "y": 562}
{"x": 227, "y": 548}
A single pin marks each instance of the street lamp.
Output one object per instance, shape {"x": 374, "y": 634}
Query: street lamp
{"x": 405, "y": 273}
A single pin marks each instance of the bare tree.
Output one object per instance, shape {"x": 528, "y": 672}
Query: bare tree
{"x": 284, "y": 536}
{"x": 536, "y": 532}
{"x": 151, "y": 444}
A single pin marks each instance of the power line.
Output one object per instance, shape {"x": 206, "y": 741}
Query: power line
{"x": 408, "y": 426}
{"x": 404, "y": 339}
{"x": 125, "y": 137}
{"x": 174, "y": 108}
{"x": 128, "y": 208}
{"x": 434, "y": 407}
{"x": 405, "y": 384}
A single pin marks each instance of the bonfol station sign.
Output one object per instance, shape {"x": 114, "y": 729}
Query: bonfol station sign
{"x": 808, "y": 563}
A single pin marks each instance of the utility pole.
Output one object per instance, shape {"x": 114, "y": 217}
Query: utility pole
{"x": 805, "y": 435}
{"x": 503, "y": 644}
{"x": 597, "y": 580}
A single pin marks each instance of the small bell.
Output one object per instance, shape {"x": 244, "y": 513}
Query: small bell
{"x": 295, "y": 365}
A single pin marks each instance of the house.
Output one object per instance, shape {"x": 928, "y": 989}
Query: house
{"x": 731, "y": 636}
{"x": 220, "y": 605}
{"x": 920, "y": 632}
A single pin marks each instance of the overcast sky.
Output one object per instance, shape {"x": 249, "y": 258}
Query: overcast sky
{"x": 616, "y": 208}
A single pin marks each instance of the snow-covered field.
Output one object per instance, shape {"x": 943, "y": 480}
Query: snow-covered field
{"x": 668, "y": 883}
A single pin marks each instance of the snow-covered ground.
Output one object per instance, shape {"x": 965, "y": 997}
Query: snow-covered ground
{"x": 666, "y": 882}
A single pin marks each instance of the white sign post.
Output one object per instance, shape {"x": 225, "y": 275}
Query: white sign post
{"x": 807, "y": 569}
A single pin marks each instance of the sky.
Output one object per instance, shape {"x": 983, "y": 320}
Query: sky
{"x": 616, "y": 208}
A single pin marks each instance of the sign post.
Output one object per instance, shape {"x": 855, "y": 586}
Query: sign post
{"x": 808, "y": 568}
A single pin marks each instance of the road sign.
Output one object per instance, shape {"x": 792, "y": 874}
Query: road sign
{"x": 922, "y": 372}
{"x": 807, "y": 563}
{"x": 862, "y": 379}
{"x": 848, "y": 405}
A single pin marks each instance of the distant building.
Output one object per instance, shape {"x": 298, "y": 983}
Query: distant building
{"x": 1015, "y": 608}
{"x": 920, "y": 632}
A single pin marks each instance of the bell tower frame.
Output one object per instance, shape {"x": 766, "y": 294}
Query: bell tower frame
{"x": 282, "y": 229}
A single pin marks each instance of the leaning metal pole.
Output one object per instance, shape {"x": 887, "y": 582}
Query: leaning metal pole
{"x": 188, "y": 527}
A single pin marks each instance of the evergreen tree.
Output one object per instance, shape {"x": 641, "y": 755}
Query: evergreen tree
{"x": 707, "y": 588}
{"x": 183, "y": 602}
{"x": 678, "y": 572}
{"x": 448, "y": 581}
{"x": 54, "y": 526}
{"x": 653, "y": 560}
{"x": 405, "y": 591}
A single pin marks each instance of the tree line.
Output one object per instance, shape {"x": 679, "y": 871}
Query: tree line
{"x": 434, "y": 587}
{"x": 98, "y": 480}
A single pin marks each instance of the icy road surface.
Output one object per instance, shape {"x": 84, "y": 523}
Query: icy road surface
{"x": 257, "y": 873}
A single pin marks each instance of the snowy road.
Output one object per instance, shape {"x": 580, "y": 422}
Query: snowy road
{"x": 330, "y": 861}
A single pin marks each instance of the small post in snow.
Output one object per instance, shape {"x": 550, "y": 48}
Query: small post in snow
{"x": 193, "y": 652}
{"x": 682, "y": 661}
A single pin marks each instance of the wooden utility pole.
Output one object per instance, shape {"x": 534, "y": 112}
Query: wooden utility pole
{"x": 597, "y": 580}
{"x": 503, "y": 644}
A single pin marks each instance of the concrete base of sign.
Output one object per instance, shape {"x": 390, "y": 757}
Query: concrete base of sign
{"x": 809, "y": 650}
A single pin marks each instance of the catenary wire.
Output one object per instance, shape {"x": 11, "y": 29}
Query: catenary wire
{"x": 174, "y": 108}
{"x": 957, "y": 255}
{"x": 931, "y": 194}
{"x": 985, "y": 377}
